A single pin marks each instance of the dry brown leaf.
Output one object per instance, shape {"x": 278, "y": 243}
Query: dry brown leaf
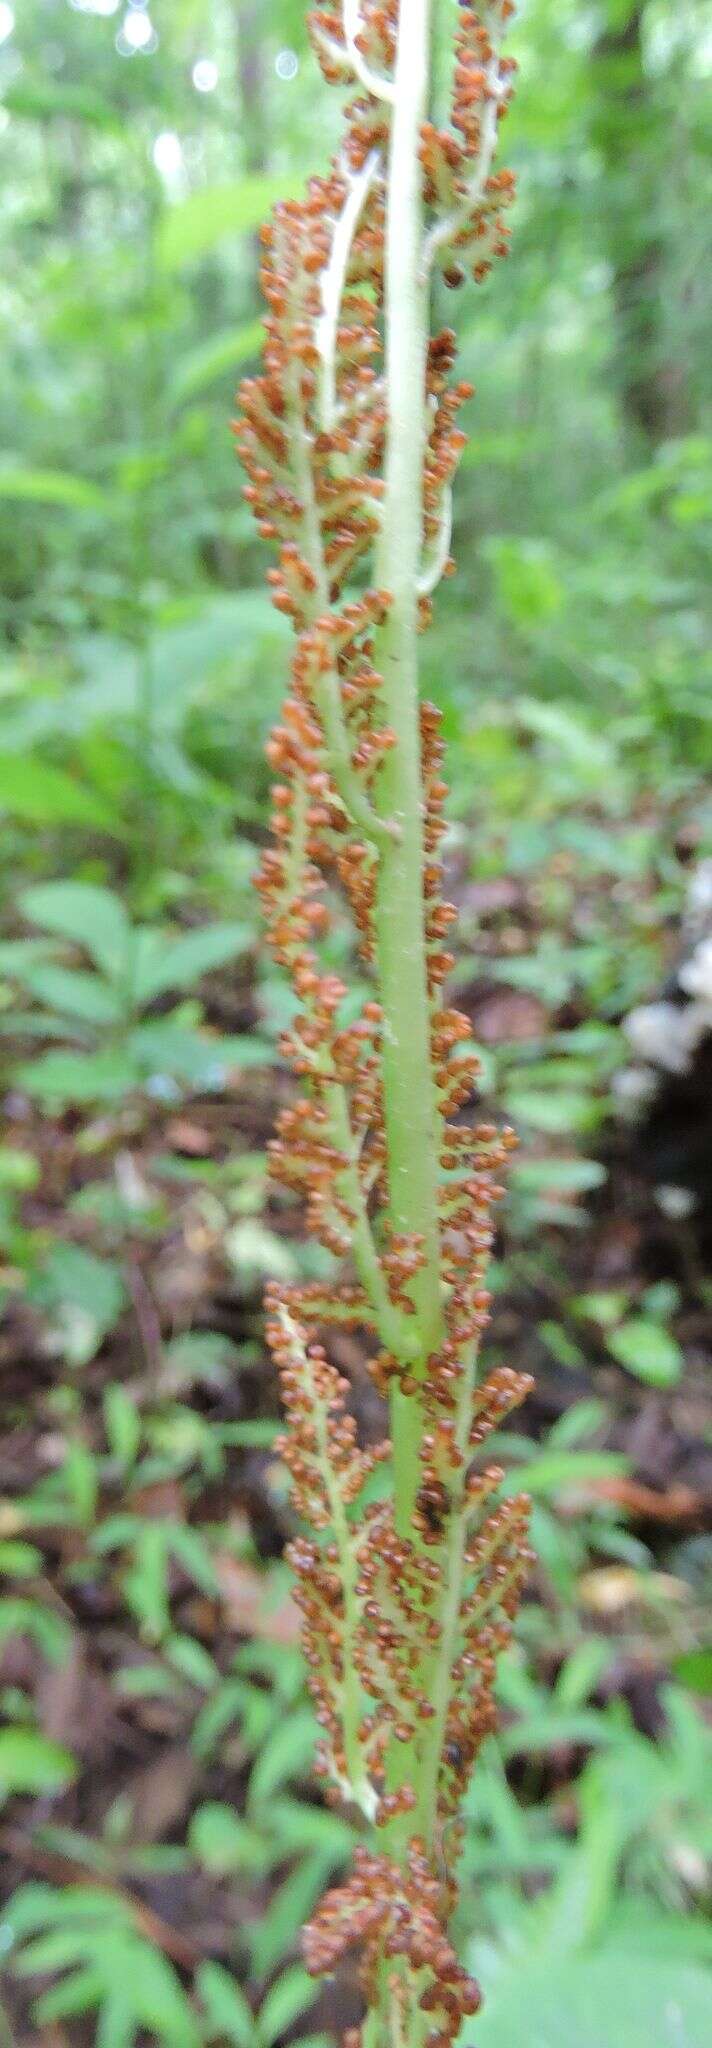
{"x": 246, "y": 1604}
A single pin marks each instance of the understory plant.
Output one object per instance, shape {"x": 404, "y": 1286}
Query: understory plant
{"x": 410, "y": 1576}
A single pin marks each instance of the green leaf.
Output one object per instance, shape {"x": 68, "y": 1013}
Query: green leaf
{"x": 562, "y": 1176}
{"x": 25, "y": 1617}
{"x": 19, "y": 1170}
{"x": 76, "y": 994}
{"x": 160, "y": 2003}
{"x": 222, "y": 1842}
{"x": 42, "y": 1905}
{"x": 194, "y": 1663}
{"x": 177, "y": 963}
{"x": 35, "y": 791}
{"x": 314, "y": 2041}
{"x": 286, "y": 1754}
{"x": 122, "y": 1422}
{"x": 191, "y": 1549}
{"x": 528, "y": 586}
{"x": 618, "y": 1995}
{"x": 550, "y": 1472}
{"x": 214, "y": 358}
{"x": 281, "y": 1924}
{"x": 29, "y": 1762}
{"x": 50, "y": 487}
{"x": 538, "y": 1733}
{"x": 235, "y": 1701}
{"x": 88, "y": 915}
{"x": 60, "y": 1077}
{"x": 19, "y": 1560}
{"x": 80, "y": 1469}
{"x": 145, "y": 1682}
{"x": 581, "y": 1673}
{"x": 72, "y": 1274}
{"x": 257, "y": 1254}
{"x": 582, "y": 1419}
{"x": 286, "y": 2000}
{"x": 116, "y": 2025}
{"x": 52, "y": 1951}
{"x": 606, "y": 1306}
{"x": 559, "y": 1111}
{"x": 39, "y": 1024}
{"x": 146, "y": 1581}
{"x": 297, "y": 1827}
{"x": 694, "y": 1669}
{"x": 228, "y": 2014}
{"x": 251, "y": 1436}
{"x": 16, "y": 954}
{"x": 584, "y": 750}
{"x": 647, "y": 1350}
{"x": 196, "y": 225}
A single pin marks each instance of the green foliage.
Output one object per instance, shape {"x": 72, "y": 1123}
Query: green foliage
{"x": 31, "y": 1763}
{"x": 81, "y": 1295}
{"x": 90, "y": 1942}
{"x": 133, "y": 966}
{"x": 624, "y": 1991}
{"x": 228, "y": 2015}
{"x": 647, "y": 1350}
{"x": 583, "y": 1963}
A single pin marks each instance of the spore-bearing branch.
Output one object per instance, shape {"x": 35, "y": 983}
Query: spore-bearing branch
{"x": 350, "y": 441}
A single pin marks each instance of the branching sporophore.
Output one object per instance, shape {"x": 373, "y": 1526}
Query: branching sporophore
{"x": 411, "y": 1571}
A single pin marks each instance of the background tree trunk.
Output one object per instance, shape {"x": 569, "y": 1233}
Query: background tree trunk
{"x": 249, "y": 29}
{"x": 633, "y": 139}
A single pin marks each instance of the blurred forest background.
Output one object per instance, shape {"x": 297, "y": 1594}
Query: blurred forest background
{"x": 162, "y": 1841}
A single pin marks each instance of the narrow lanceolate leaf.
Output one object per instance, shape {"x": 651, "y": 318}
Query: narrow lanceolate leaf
{"x": 292, "y": 1995}
{"x": 228, "y": 2015}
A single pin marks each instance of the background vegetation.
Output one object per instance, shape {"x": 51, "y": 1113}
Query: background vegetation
{"x": 162, "y": 1841}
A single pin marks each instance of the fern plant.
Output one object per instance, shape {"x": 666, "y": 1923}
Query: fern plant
{"x": 350, "y": 441}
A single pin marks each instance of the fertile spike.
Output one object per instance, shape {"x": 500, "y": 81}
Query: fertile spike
{"x": 406, "y": 1600}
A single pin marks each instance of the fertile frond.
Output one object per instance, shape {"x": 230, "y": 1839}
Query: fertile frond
{"x": 351, "y": 439}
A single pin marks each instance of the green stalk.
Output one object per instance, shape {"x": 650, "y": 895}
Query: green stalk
{"x": 409, "y": 1093}
{"x": 392, "y": 1324}
{"x": 338, "y": 754}
{"x": 358, "y": 1787}
{"x": 438, "y": 1680}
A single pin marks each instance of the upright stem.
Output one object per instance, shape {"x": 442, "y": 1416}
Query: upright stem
{"x": 358, "y": 1786}
{"x": 409, "y": 1095}
{"x": 439, "y": 1677}
{"x": 399, "y": 1630}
